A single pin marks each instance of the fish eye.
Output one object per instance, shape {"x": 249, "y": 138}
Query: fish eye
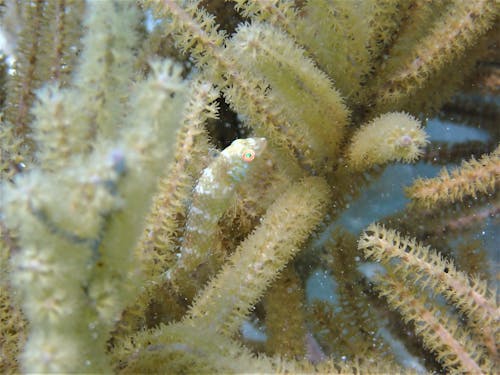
{"x": 248, "y": 156}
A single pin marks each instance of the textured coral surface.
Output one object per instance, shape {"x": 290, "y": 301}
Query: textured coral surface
{"x": 190, "y": 186}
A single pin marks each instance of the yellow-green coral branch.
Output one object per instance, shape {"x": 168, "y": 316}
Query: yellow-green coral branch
{"x": 385, "y": 18}
{"x": 60, "y": 39}
{"x": 58, "y": 128}
{"x": 14, "y": 324}
{"x": 180, "y": 348}
{"x": 227, "y": 299}
{"x": 77, "y": 229}
{"x": 195, "y": 31}
{"x": 460, "y": 28}
{"x": 312, "y": 106}
{"x": 21, "y": 88}
{"x": 285, "y": 316}
{"x": 335, "y": 34}
{"x": 472, "y": 178}
{"x": 104, "y": 74}
{"x": 17, "y": 147}
{"x": 389, "y": 137}
{"x": 165, "y": 220}
{"x": 277, "y": 12}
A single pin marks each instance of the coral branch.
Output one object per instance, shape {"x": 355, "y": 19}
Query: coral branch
{"x": 390, "y": 137}
{"x": 440, "y": 333}
{"x": 473, "y": 177}
{"x": 77, "y": 253}
{"x": 278, "y": 12}
{"x": 227, "y": 299}
{"x": 196, "y": 32}
{"x": 458, "y": 30}
{"x": 295, "y": 83}
{"x": 285, "y": 329}
{"x": 422, "y": 265}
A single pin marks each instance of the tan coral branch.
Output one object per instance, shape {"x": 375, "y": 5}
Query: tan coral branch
{"x": 473, "y": 177}
{"x": 227, "y": 299}
{"x": 429, "y": 268}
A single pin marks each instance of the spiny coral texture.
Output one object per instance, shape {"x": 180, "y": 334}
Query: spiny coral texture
{"x": 130, "y": 245}
{"x": 456, "y": 31}
{"x": 83, "y": 247}
{"x": 440, "y": 333}
{"x": 419, "y": 265}
{"x": 285, "y": 331}
{"x": 266, "y": 250}
{"x": 474, "y": 177}
{"x": 390, "y": 137}
{"x": 308, "y": 93}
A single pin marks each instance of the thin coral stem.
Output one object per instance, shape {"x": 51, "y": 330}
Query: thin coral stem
{"x": 428, "y": 267}
{"x": 473, "y": 177}
{"x": 440, "y": 333}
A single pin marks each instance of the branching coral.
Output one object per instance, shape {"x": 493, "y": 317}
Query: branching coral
{"x": 130, "y": 244}
{"x": 410, "y": 263}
